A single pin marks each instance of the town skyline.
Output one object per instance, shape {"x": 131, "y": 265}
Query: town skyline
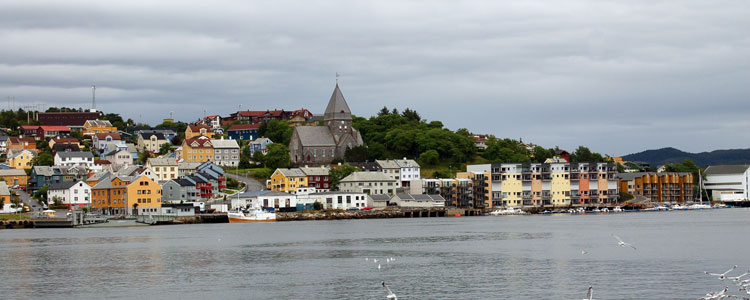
{"x": 618, "y": 78}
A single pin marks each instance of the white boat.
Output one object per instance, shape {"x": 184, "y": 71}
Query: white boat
{"x": 595, "y": 210}
{"x": 617, "y": 209}
{"x": 251, "y": 215}
{"x": 508, "y": 211}
{"x": 605, "y": 210}
{"x": 662, "y": 208}
{"x": 699, "y": 206}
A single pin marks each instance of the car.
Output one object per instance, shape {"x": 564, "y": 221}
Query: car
{"x": 352, "y": 208}
{"x": 367, "y": 208}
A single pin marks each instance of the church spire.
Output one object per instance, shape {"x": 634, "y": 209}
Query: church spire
{"x": 337, "y": 108}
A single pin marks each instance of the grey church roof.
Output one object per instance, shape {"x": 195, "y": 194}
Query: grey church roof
{"x": 315, "y": 135}
{"x": 337, "y": 108}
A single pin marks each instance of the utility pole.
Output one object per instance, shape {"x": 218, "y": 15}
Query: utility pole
{"x": 93, "y": 96}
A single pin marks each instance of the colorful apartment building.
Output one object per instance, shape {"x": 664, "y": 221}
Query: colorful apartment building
{"x": 287, "y": 180}
{"x": 197, "y": 149}
{"x": 21, "y": 159}
{"x": 128, "y": 195}
{"x": 109, "y": 196}
{"x": 658, "y": 187}
{"x": 193, "y": 131}
{"x": 143, "y": 196}
{"x": 92, "y": 127}
{"x": 558, "y": 184}
{"x": 19, "y": 143}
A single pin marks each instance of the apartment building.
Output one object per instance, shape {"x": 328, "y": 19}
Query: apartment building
{"x": 658, "y": 187}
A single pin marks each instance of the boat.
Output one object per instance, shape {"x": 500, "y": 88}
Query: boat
{"x": 508, "y": 211}
{"x": 605, "y": 210}
{"x": 699, "y": 206}
{"x": 595, "y": 210}
{"x": 251, "y": 215}
{"x": 617, "y": 209}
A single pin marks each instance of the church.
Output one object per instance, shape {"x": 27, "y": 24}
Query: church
{"x": 319, "y": 145}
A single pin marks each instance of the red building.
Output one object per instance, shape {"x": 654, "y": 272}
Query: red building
{"x": 317, "y": 177}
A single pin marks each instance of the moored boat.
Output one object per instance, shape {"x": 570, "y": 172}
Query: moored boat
{"x": 251, "y": 215}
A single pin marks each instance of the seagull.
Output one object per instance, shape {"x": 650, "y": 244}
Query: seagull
{"x": 583, "y": 252}
{"x": 375, "y": 260}
{"x": 590, "y": 294}
{"x": 390, "y": 295}
{"x": 366, "y": 259}
{"x": 722, "y": 275}
{"x": 737, "y": 278}
{"x": 378, "y": 266}
{"x": 621, "y": 243}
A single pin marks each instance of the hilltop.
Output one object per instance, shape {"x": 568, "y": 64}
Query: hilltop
{"x": 667, "y": 155}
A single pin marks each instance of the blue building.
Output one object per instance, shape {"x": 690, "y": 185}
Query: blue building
{"x": 246, "y": 132}
{"x": 260, "y": 144}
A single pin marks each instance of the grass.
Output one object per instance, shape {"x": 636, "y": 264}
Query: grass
{"x": 5, "y": 217}
{"x": 448, "y": 169}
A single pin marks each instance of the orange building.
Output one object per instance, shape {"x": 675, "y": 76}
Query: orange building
{"x": 143, "y": 196}
{"x": 198, "y": 130}
{"x": 109, "y": 195}
{"x": 13, "y": 177}
{"x": 658, "y": 187}
{"x": 19, "y": 143}
{"x": 197, "y": 149}
{"x": 92, "y": 127}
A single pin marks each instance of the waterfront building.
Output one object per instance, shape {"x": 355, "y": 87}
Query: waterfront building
{"x": 340, "y": 199}
{"x": 109, "y": 196}
{"x": 402, "y": 170}
{"x": 74, "y": 159}
{"x": 13, "y": 177}
{"x": 728, "y": 183}
{"x": 5, "y": 198}
{"x": 143, "y": 195}
{"x": 376, "y": 201}
{"x": 21, "y": 159}
{"x": 47, "y": 175}
{"x": 226, "y": 152}
{"x": 370, "y": 183}
{"x": 102, "y": 140}
{"x": 319, "y": 145}
{"x": 199, "y": 149}
{"x": 317, "y": 177}
{"x": 270, "y": 200}
{"x": 70, "y": 193}
{"x": 180, "y": 189}
{"x": 193, "y": 131}
{"x": 658, "y": 187}
{"x": 92, "y": 127}
{"x": 457, "y": 192}
{"x": 287, "y": 180}
{"x": 418, "y": 200}
{"x": 165, "y": 168}
{"x": 558, "y": 184}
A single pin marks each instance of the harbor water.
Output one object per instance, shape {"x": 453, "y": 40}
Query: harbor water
{"x": 505, "y": 257}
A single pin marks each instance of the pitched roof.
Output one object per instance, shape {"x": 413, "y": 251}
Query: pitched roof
{"x": 103, "y": 136}
{"x": 314, "y": 171}
{"x": 65, "y": 140}
{"x": 4, "y": 191}
{"x": 200, "y": 142}
{"x": 243, "y": 127}
{"x": 69, "y": 154}
{"x": 380, "y": 197}
{"x": 315, "y": 135}
{"x": 196, "y": 128}
{"x": 260, "y": 141}
{"x": 367, "y": 176}
{"x": 162, "y": 161}
{"x": 54, "y": 128}
{"x": 726, "y": 169}
{"x": 16, "y": 152}
{"x": 259, "y": 113}
{"x": 337, "y": 108}
{"x": 183, "y": 182}
{"x": 147, "y": 135}
{"x": 61, "y": 185}
{"x": 99, "y": 123}
{"x": 62, "y": 147}
{"x": 222, "y": 143}
{"x": 292, "y": 172}
{"x": 12, "y": 172}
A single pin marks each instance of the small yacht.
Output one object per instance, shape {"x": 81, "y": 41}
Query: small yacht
{"x": 251, "y": 214}
{"x": 617, "y": 209}
{"x": 508, "y": 211}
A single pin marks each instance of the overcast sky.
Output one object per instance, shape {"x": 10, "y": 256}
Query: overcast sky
{"x": 618, "y": 76}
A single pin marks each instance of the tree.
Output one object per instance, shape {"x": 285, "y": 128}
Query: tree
{"x": 278, "y": 156}
{"x": 317, "y": 205}
{"x": 411, "y": 115}
{"x": 338, "y": 173}
{"x": 584, "y": 155}
{"x": 41, "y": 194}
{"x": 383, "y": 111}
{"x": 165, "y": 148}
{"x": 143, "y": 157}
{"x": 57, "y": 201}
{"x": 429, "y": 157}
{"x": 259, "y": 157}
{"x": 358, "y": 153}
{"x": 277, "y": 130}
{"x": 244, "y": 163}
{"x": 541, "y": 154}
{"x": 43, "y": 159}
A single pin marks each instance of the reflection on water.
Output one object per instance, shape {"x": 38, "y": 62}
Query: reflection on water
{"x": 533, "y": 257}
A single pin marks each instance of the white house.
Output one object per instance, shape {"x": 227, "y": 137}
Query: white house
{"x": 101, "y": 140}
{"x": 402, "y": 170}
{"x": 119, "y": 159}
{"x": 340, "y": 200}
{"x": 371, "y": 183}
{"x": 265, "y": 199}
{"x": 226, "y": 152}
{"x": 418, "y": 200}
{"x": 74, "y": 159}
{"x": 71, "y": 193}
{"x": 728, "y": 183}
{"x": 165, "y": 168}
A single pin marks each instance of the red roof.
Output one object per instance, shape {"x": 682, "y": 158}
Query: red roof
{"x": 29, "y": 126}
{"x": 54, "y": 128}
{"x": 202, "y": 141}
{"x": 243, "y": 127}
{"x": 102, "y": 162}
{"x": 102, "y": 136}
{"x": 302, "y": 112}
{"x": 479, "y": 139}
{"x": 65, "y": 140}
{"x": 260, "y": 113}
{"x": 196, "y": 128}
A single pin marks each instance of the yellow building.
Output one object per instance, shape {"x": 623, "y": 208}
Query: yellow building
{"x": 109, "y": 195}
{"x": 21, "y": 159}
{"x": 143, "y": 196}
{"x": 71, "y": 141}
{"x": 14, "y": 177}
{"x": 92, "y": 127}
{"x": 4, "y": 194}
{"x": 560, "y": 184}
{"x": 198, "y": 130}
{"x": 287, "y": 180}
{"x": 197, "y": 149}
{"x": 512, "y": 187}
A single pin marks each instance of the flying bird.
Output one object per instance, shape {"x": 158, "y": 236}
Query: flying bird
{"x": 590, "y": 294}
{"x": 623, "y": 244}
{"x": 722, "y": 275}
{"x": 737, "y": 278}
{"x": 390, "y": 295}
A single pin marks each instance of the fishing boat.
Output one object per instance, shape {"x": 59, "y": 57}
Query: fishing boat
{"x": 251, "y": 215}
{"x": 508, "y": 211}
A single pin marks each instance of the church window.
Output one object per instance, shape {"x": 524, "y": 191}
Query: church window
{"x": 324, "y": 152}
{"x": 315, "y": 152}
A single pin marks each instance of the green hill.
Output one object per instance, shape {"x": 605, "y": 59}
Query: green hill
{"x": 657, "y": 157}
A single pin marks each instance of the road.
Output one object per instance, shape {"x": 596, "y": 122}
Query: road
{"x": 251, "y": 183}
{"x": 28, "y": 200}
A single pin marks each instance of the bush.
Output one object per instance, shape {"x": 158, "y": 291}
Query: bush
{"x": 429, "y": 157}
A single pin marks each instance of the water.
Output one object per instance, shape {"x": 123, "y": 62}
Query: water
{"x": 518, "y": 257}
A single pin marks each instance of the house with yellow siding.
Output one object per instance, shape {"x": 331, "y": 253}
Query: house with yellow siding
{"x": 143, "y": 196}
{"x": 197, "y": 149}
{"x": 21, "y": 159}
{"x": 198, "y": 130}
{"x": 14, "y": 177}
{"x": 92, "y": 127}
{"x": 287, "y": 180}
{"x": 512, "y": 186}
{"x": 108, "y": 196}
{"x": 560, "y": 184}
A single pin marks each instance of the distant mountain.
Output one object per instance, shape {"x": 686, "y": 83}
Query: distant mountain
{"x": 667, "y": 155}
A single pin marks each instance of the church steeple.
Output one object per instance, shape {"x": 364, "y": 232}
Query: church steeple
{"x": 337, "y": 108}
